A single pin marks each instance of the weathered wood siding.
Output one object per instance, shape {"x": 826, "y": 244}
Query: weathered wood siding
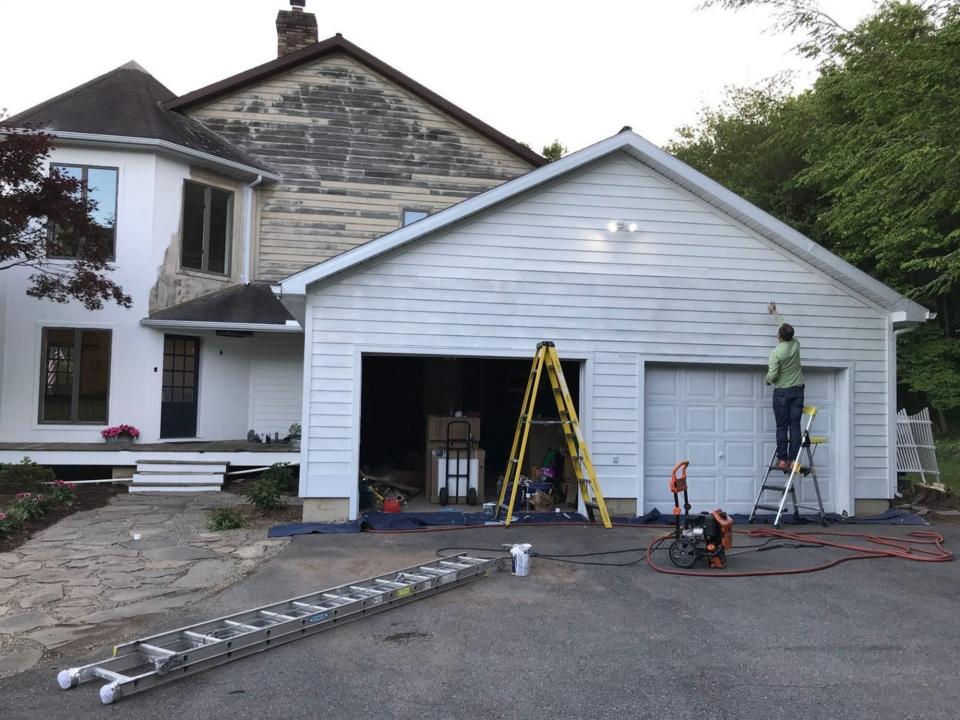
{"x": 354, "y": 150}
{"x": 690, "y": 285}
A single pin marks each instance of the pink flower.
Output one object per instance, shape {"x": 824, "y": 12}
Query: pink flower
{"x": 72, "y": 486}
{"x": 3, "y": 516}
{"x": 118, "y": 430}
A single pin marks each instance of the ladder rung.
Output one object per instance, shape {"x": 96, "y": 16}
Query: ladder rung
{"x": 778, "y": 488}
{"x": 201, "y": 637}
{"x": 233, "y": 623}
{"x": 772, "y": 508}
{"x": 277, "y": 615}
{"x": 309, "y": 606}
{"x": 392, "y": 584}
{"x": 164, "y": 651}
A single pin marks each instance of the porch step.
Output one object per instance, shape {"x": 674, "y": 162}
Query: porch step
{"x": 163, "y": 476}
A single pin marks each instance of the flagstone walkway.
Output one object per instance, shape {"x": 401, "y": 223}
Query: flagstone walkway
{"x": 95, "y": 576}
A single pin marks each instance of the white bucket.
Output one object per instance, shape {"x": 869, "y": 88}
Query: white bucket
{"x": 520, "y": 559}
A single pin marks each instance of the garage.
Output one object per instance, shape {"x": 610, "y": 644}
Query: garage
{"x": 721, "y": 420}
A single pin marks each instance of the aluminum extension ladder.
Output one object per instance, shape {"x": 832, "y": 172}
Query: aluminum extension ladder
{"x": 808, "y": 445}
{"x": 546, "y": 357}
{"x": 142, "y": 664}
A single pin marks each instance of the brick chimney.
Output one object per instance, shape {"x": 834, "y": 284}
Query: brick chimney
{"x": 296, "y": 29}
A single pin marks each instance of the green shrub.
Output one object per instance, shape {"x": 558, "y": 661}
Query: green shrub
{"x": 24, "y": 476}
{"x": 63, "y": 493}
{"x": 226, "y": 518}
{"x": 266, "y": 492}
{"x": 32, "y": 505}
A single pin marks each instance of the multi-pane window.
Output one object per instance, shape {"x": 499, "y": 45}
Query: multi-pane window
{"x": 100, "y": 185}
{"x": 74, "y": 375}
{"x": 207, "y": 212}
{"x": 411, "y": 216}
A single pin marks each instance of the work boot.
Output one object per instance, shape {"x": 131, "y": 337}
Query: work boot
{"x": 783, "y": 465}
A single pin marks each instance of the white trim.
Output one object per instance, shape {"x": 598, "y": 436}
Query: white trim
{"x": 306, "y": 392}
{"x": 658, "y": 160}
{"x": 248, "y": 195}
{"x": 133, "y": 456}
{"x": 159, "y": 145}
{"x": 891, "y": 411}
{"x": 210, "y": 325}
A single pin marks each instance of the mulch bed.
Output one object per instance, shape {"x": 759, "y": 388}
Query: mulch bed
{"x": 88, "y": 498}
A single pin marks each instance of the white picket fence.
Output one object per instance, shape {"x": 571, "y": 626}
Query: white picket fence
{"x": 915, "y": 449}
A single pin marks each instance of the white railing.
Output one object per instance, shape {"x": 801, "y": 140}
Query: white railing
{"x": 915, "y": 449}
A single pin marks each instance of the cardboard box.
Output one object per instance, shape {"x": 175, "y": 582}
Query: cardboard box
{"x": 437, "y": 472}
{"x": 437, "y": 426}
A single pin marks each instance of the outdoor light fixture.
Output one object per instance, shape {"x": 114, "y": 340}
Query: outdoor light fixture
{"x": 615, "y": 225}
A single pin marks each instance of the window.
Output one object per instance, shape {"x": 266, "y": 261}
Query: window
{"x": 411, "y": 216}
{"x": 99, "y": 184}
{"x": 207, "y": 213}
{"x": 74, "y": 375}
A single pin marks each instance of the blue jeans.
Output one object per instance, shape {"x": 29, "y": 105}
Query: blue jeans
{"x": 787, "y": 409}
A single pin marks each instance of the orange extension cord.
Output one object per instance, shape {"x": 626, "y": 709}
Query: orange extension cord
{"x": 918, "y": 546}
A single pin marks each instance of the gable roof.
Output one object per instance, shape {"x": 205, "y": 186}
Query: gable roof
{"x": 339, "y": 44}
{"x": 126, "y": 103}
{"x": 761, "y": 222}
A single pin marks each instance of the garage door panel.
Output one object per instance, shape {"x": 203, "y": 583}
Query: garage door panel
{"x": 663, "y": 453}
{"x": 665, "y": 384}
{"x": 740, "y": 419}
{"x": 662, "y": 418}
{"x": 701, "y": 384}
{"x": 739, "y": 385}
{"x": 726, "y": 430}
{"x": 739, "y": 455}
{"x": 700, "y": 419}
{"x": 701, "y": 453}
{"x": 739, "y": 489}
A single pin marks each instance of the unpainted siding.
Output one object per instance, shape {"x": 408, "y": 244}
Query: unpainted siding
{"x": 354, "y": 150}
{"x": 690, "y": 285}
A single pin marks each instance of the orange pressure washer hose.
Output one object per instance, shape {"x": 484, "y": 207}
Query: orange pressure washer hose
{"x": 909, "y": 548}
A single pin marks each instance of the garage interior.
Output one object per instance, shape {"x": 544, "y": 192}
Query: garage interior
{"x": 411, "y": 405}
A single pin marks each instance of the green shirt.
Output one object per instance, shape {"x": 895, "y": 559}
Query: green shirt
{"x": 783, "y": 369}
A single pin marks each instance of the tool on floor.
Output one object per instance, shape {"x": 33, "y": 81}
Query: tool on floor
{"x": 546, "y": 358}
{"x": 707, "y": 535}
{"x": 458, "y": 464}
{"x": 808, "y": 445}
{"x": 146, "y": 663}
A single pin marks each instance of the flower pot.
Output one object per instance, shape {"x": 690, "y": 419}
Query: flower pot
{"x": 119, "y": 441}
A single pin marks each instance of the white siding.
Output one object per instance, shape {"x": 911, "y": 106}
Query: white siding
{"x": 276, "y": 383}
{"x": 690, "y": 285}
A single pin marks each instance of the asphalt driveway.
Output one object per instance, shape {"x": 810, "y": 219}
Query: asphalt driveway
{"x": 871, "y": 639}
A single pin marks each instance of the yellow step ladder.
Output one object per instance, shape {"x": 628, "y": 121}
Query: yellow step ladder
{"x": 547, "y": 358}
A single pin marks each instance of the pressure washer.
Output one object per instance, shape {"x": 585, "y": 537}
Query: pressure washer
{"x": 706, "y": 535}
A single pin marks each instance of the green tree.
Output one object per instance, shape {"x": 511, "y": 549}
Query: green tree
{"x": 554, "y": 151}
{"x": 867, "y": 161}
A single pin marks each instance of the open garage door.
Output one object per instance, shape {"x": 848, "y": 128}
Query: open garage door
{"x": 721, "y": 420}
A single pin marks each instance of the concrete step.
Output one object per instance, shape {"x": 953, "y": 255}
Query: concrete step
{"x": 182, "y": 478}
{"x": 178, "y": 467}
{"x": 172, "y": 488}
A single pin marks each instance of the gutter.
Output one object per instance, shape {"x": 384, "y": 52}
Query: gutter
{"x": 138, "y": 143}
{"x": 291, "y": 326}
{"x": 248, "y": 228}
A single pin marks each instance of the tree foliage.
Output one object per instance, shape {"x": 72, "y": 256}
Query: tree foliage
{"x": 32, "y": 202}
{"x": 554, "y": 151}
{"x": 866, "y": 161}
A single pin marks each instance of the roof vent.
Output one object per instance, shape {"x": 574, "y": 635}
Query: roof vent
{"x": 296, "y": 29}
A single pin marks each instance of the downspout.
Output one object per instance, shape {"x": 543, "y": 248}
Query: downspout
{"x": 248, "y": 228}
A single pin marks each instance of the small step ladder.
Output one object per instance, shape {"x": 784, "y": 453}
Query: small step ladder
{"x": 143, "y": 664}
{"x": 166, "y": 476}
{"x": 808, "y": 444}
{"x": 546, "y": 357}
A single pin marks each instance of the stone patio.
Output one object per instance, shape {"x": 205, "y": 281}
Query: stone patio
{"x": 94, "y": 577}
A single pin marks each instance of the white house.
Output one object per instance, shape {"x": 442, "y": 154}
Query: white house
{"x": 655, "y": 280}
{"x": 321, "y": 239}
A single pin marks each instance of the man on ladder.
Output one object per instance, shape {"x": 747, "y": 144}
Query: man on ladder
{"x": 784, "y": 373}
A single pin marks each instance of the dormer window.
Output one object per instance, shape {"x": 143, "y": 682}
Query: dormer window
{"x": 207, "y": 226}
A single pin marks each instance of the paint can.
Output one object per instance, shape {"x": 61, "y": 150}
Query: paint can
{"x": 488, "y": 508}
{"x": 520, "y": 559}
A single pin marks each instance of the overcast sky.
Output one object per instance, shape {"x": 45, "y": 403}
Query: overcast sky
{"x": 534, "y": 69}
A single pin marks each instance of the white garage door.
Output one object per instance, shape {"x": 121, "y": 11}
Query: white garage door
{"x": 721, "y": 420}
